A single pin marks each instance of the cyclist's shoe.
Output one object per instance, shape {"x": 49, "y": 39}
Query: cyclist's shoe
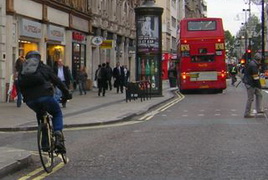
{"x": 59, "y": 142}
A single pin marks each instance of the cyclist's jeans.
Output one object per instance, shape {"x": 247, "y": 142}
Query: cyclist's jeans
{"x": 51, "y": 106}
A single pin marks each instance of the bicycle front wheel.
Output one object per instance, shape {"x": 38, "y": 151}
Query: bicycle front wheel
{"x": 45, "y": 146}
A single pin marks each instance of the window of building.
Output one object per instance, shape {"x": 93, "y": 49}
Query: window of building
{"x": 173, "y": 3}
{"x": 173, "y": 21}
{"x": 174, "y": 43}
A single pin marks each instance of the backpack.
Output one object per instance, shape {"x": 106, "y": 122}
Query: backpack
{"x": 30, "y": 75}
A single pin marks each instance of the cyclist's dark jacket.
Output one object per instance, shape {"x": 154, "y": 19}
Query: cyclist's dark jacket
{"x": 44, "y": 89}
{"x": 251, "y": 71}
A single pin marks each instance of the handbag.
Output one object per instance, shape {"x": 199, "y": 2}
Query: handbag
{"x": 95, "y": 84}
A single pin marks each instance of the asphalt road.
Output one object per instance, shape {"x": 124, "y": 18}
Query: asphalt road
{"x": 202, "y": 137}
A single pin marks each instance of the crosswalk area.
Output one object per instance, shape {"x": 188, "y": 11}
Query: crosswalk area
{"x": 231, "y": 113}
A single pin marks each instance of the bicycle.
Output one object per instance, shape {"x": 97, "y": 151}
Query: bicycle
{"x": 46, "y": 143}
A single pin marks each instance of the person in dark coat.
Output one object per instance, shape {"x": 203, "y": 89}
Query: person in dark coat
{"x": 251, "y": 79}
{"x": 39, "y": 94}
{"x": 109, "y": 75}
{"x": 81, "y": 80}
{"x": 18, "y": 68}
{"x": 102, "y": 79}
{"x": 118, "y": 74}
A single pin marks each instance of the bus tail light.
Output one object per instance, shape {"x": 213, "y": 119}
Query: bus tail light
{"x": 183, "y": 75}
{"x": 223, "y": 74}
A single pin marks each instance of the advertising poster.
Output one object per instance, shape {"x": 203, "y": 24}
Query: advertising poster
{"x": 148, "y": 68}
{"x": 148, "y": 34}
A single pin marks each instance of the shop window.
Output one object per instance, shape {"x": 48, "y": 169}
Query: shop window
{"x": 54, "y": 53}
{"x": 26, "y": 46}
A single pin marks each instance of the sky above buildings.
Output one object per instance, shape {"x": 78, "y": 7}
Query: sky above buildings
{"x": 231, "y": 11}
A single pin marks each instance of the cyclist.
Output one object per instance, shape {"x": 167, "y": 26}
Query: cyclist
{"x": 36, "y": 82}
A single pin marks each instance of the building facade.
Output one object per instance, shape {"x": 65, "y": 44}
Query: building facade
{"x": 174, "y": 11}
{"x": 65, "y": 29}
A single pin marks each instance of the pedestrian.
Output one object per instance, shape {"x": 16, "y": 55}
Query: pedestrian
{"x": 172, "y": 76}
{"x": 35, "y": 81}
{"x": 118, "y": 74}
{"x": 126, "y": 75}
{"x": 18, "y": 68}
{"x": 233, "y": 72}
{"x": 251, "y": 80}
{"x": 63, "y": 72}
{"x": 82, "y": 80}
{"x": 96, "y": 75}
{"x": 102, "y": 79}
{"x": 109, "y": 75}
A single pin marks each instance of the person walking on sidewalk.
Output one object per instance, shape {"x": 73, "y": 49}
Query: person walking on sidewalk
{"x": 81, "y": 80}
{"x": 18, "y": 68}
{"x": 102, "y": 79}
{"x": 64, "y": 74}
{"x": 251, "y": 80}
{"x": 118, "y": 74}
{"x": 35, "y": 81}
{"x": 109, "y": 75}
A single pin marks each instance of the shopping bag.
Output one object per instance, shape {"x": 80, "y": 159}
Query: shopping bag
{"x": 95, "y": 84}
{"x": 13, "y": 93}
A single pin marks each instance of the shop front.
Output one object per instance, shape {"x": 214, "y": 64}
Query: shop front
{"x": 78, "y": 52}
{"x": 55, "y": 44}
{"x": 30, "y": 34}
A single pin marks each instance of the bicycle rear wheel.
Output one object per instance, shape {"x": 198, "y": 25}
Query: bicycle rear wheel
{"x": 45, "y": 146}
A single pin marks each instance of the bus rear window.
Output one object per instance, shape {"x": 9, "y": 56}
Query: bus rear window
{"x": 203, "y": 58}
{"x": 201, "y": 25}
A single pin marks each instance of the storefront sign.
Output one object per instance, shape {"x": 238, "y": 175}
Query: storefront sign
{"x": 56, "y": 33}
{"x": 97, "y": 40}
{"x": 30, "y": 29}
{"x": 107, "y": 44}
{"x": 77, "y": 36}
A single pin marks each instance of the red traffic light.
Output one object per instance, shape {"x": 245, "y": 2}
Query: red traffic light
{"x": 248, "y": 50}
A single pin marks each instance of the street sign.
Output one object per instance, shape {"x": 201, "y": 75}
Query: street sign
{"x": 97, "y": 40}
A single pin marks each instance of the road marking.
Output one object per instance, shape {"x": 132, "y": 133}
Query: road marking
{"x": 150, "y": 115}
{"x": 55, "y": 169}
{"x": 217, "y": 114}
{"x": 33, "y": 173}
{"x": 39, "y": 170}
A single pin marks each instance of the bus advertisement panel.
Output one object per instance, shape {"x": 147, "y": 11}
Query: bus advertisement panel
{"x": 201, "y": 55}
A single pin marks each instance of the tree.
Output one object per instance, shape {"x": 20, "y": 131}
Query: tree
{"x": 229, "y": 43}
{"x": 251, "y": 30}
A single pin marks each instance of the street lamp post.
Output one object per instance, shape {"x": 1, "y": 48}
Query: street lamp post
{"x": 246, "y": 34}
{"x": 262, "y": 37}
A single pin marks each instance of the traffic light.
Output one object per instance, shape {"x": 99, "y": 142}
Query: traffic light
{"x": 242, "y": 61}
{"x": 248, "y": 53}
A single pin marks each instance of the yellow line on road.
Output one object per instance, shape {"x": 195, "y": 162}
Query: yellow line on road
{"x": 33, "y": 173}
{"x": 55, "y": 169}
{"x": 150, "y": 115}
{"x": 43, "y": 175}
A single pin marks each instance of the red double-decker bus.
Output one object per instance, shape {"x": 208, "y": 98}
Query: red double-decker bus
{"x": 201, "y": 52}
